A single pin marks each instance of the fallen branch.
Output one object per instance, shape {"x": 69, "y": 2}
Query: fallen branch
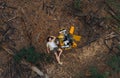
{"x": 113, "y": 28}
{"x": 32, "y": 67}
{"x": 89, "y": 42}
{"x": 7, "y": 50}
{"x": 11, "y": 18}
{"x": 112, "y": 12}
{"x": 35, "y": 69}
{"x": 110, "y": 36}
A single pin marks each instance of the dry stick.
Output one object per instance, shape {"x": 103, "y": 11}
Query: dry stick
{"x": 8, "y": 51}
{"x": 112, "y": 12}
{"x": 114, "y": 29}
{"x": 26, "y": 23}
{"x": 32, "y": 67}
{"x": 109, "y": 47}
{"x": 109, "y": 37}
{"x": 89, "y": 42}
{"x": 11, "y": 18}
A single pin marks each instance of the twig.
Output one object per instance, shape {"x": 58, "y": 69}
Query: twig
{"x": 112, "y": 12}
{"x": 32, "y": 67}
{"x": 89, "y": 42}
{"x": 8, "y": 51}
{"x": 11, "y": 18}
{"x": 109, "y": 37}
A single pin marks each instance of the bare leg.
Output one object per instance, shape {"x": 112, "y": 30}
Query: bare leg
{"x": 57, "y": 57}
{"x": 60, "y": 51}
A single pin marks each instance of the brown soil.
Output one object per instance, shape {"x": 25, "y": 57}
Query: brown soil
{"x": 30, "y": 22}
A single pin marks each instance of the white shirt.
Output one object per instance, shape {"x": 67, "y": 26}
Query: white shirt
{"x": 51, "y": 45}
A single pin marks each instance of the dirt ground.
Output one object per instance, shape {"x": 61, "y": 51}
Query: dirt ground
{"x": 30, "y": 22}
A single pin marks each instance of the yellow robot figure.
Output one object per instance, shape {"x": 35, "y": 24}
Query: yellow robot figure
{"x": 67, "y": 39}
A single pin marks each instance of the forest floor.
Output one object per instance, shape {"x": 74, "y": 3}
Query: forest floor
{"x": 30, "y": 22}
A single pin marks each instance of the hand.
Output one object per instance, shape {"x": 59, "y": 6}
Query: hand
{"x": 48, "y": 51}
{"x": 53, "y": 38}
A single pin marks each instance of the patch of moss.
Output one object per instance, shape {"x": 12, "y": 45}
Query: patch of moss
{"x": 114, "y": 63}
{"x": 96, "y": 74}
{"x": 77, "y": 4}
{"x": 31, "y": 56}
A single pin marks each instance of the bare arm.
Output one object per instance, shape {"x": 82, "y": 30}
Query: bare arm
{"x": 48, "y": 50}
{"x": 53, "y": 38}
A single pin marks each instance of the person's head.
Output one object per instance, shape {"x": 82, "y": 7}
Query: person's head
{"x": 49, "y": 39}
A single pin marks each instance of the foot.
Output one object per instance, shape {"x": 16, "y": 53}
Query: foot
{"x": 60, "y": 63}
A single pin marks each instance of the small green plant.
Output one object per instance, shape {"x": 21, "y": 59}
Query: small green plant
{"x": 95, "y": 74}
{"x": 79, "y": 75}
{"x": 114, "y": 63}
{"x": 31, "y": 56}
{"x": 119, "y": 47}
{"x": 77, "y": 4}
